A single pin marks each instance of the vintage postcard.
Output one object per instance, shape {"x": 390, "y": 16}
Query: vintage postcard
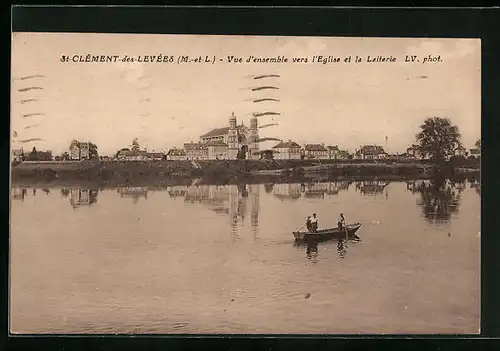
{"x": 204, "y": 184}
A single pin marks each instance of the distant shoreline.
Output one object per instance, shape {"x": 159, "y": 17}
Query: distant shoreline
{"x": 168, "y": 173}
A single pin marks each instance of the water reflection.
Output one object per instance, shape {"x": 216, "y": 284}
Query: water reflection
{"x": 19, "y": 193}
{"x": 372, "y": 187}
{"x": 82, "y": 197}
{"x": 312, "y": 246}
{"x": 233, "y": 200}
{"x": 439, "y": 198}
{"x": 294, "y": 191}
{"x": 135, "y": 193}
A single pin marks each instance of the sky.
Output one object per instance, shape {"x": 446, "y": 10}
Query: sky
{"x": 167, "y": 104}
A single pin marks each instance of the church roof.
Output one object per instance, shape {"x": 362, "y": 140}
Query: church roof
{"x": 216, "y": 132}
{"x": 287, "y": 145}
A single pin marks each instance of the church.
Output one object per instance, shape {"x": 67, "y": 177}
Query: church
{"x": 231, "y": 142}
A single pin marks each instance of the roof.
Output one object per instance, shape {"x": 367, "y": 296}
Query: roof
{"x": 371, "y": 150}
{"x": 333, "y": 147}
{"x": 475, "y": 151}
{"x": 216, "y": 143}
{"x": 155, "y": 154}
{"x": 287, "y": 145}
{"x": 216, "y": 132}
{"x": 176, "y": 152}
{"x": 131, "y": 153}
{"x": 315, "y": 147}
{"x": 195, "y": 146}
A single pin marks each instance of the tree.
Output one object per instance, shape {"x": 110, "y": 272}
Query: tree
{"x": 120, "y": 151}
{"x": 93, "y": 152}
{"x": 478, "y": 144}
{"x": 135, "y": 145}
{"x": 438, "y": 139}
{"x": 33, "y": 155}
{"x": 74, "y": 143}
{"x": 65, "y": 156}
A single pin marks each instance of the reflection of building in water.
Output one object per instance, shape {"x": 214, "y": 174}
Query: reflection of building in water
{"x": 284, "y": 191}
{"x": 411, "y": 186}
{"x": 269, "y": 187}
{"x": 315, "y": 190}
{"x": 371, "y": 187}
{"x": 82, "y": 197}
{"x": 177, "y": 191}
{"x": 254, "y": 214}
{"x": 133, "y": 192}
{"x": 333, "y": 188}
{"x": 226, "y": 199}
{"x": 19, "y": 193}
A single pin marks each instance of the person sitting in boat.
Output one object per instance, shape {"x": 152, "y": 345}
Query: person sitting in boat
{"x": 314, "y": 223}
{"x": 341, "y": 221}
{"x": 308, "y": 223}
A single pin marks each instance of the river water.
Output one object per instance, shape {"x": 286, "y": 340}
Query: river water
{"x": 222, "y": 259}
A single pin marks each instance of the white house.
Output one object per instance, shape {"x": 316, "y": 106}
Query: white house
{"x": 176, "y": 154}
{"x": 316, "y": 151}
{"x": 371, "y": 152}
{"x": 288, "y": 150}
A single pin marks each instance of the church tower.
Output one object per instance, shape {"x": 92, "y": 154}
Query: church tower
{"x": 232, "y": 138}
{"x": 254, "y": 137}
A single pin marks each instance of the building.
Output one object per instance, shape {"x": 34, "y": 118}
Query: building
{"x": 155, "y": 156}
{"x": 334, "y": 153}
{"x": 461, "y": 151}
{"x": 17, "y": 155}
{"x": 196, "y": 151}
{"x": 343, "y": 155}
{"x": 241, "y": 141}
{"x": 412, "y": 151}
{"x": 217, "y": 150}
{"x": 288, "y": 150}
{"x": 131, "y": 155}
{"x": 79, "y": 150}
{"x": 371, "y": 152}
{"x": 476, "y": 153}
{"x": 316, "y": 151}
{"x": 176, "y": 154}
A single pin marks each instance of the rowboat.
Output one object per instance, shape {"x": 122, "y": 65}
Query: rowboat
{"x": 349, "y": 230}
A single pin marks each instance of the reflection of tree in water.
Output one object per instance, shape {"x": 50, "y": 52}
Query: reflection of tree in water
{"x": 439, "y": 198}
{"x": 93, "y": 196}
{"x": 268, "y": 188}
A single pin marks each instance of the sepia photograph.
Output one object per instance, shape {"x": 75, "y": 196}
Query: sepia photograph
{"x": 232, "y": 184}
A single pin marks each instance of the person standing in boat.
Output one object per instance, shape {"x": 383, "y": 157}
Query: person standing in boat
{"x": 314, "y": 223}
{"x": 341, "y": 221}
{"x": 308, "y": 223}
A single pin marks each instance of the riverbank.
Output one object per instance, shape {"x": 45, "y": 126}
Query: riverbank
{"x": 169, "y": 173}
